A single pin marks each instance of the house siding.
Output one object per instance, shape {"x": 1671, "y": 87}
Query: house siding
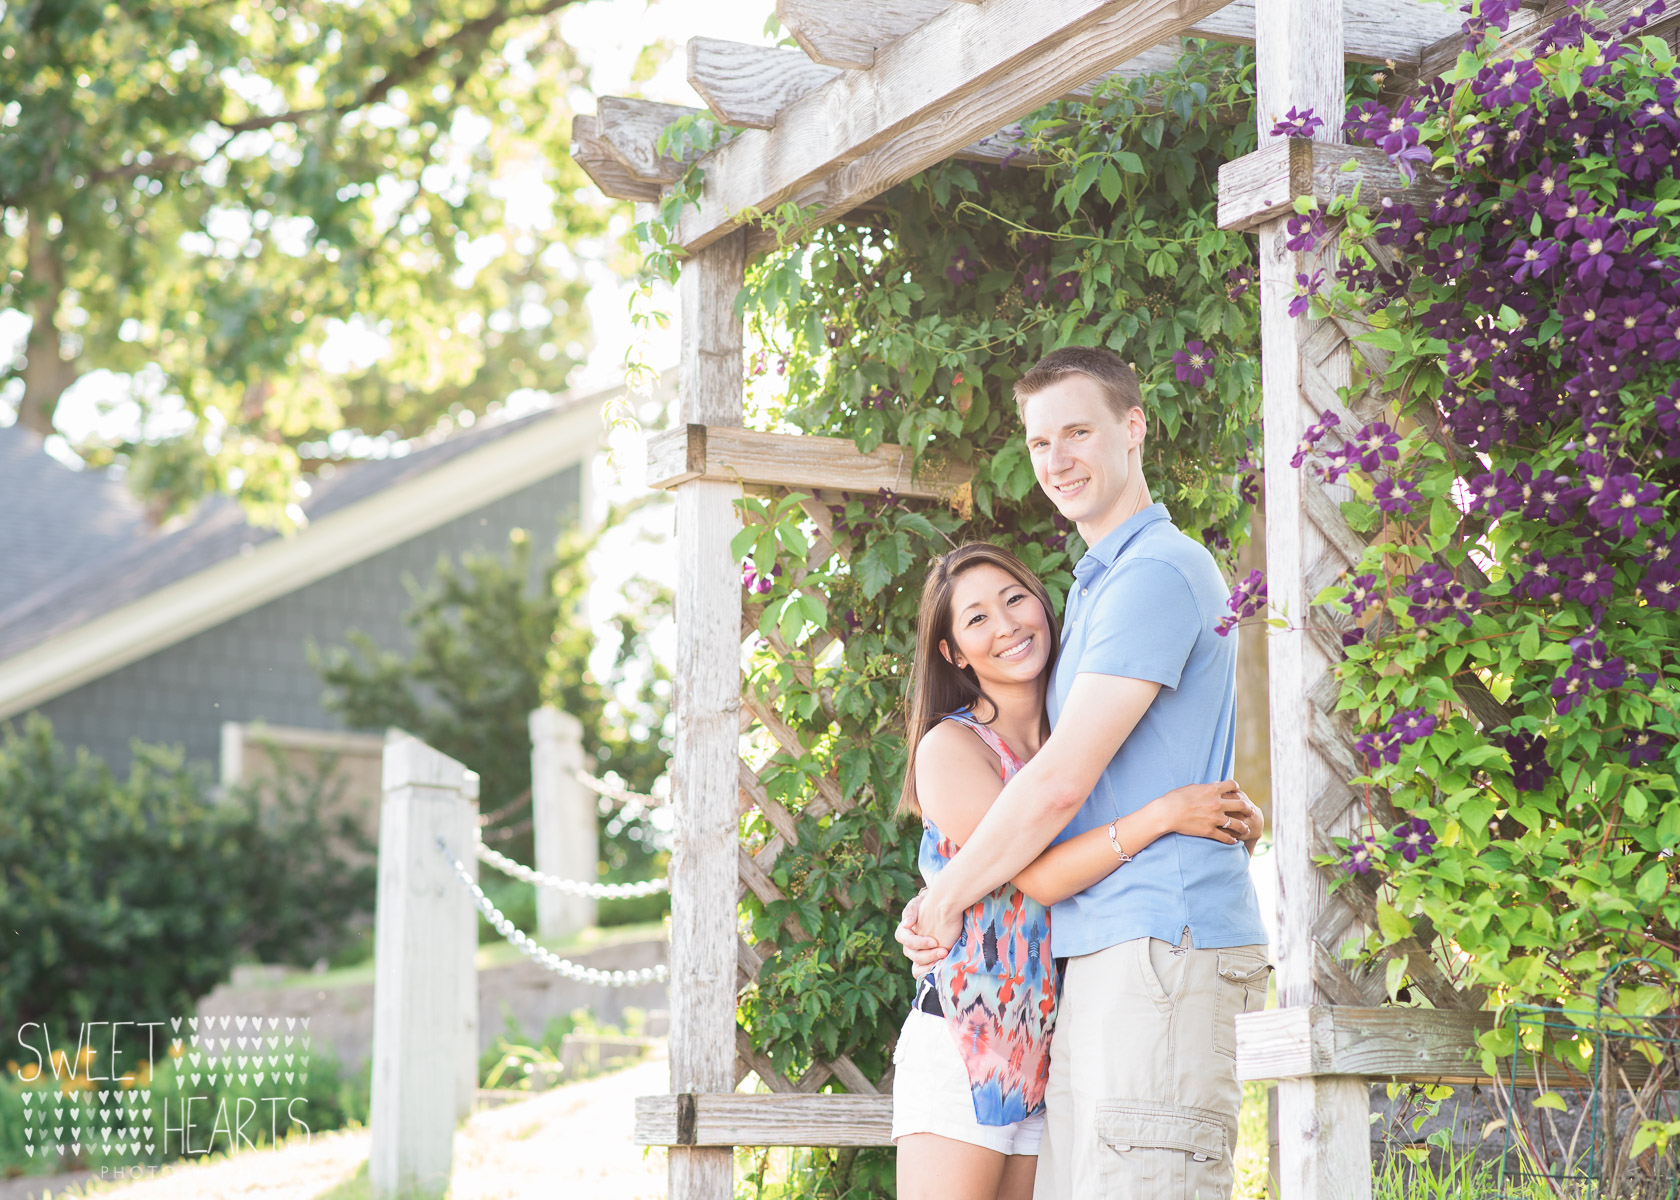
{"x": 255, "y": 667}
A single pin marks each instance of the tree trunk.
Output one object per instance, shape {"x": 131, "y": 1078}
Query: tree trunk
{"x": 46, "y": 373}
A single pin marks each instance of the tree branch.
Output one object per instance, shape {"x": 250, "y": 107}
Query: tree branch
{"x": 475, "y": 30}
{"x": 478, "y": 29}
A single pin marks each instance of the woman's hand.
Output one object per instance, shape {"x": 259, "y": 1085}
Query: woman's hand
{"x": 1220, "y": 811}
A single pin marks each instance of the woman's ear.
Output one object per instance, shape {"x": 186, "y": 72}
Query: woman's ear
{"x": 945, "y": 649}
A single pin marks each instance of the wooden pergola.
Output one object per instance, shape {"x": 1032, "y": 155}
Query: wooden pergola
{"x": 883, "y": 90}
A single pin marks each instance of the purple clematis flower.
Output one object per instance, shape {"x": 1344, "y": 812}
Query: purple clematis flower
{"x": 962, "y": 269}
{"x": 1397, "y": 495}
{"x": 1313, "y": 434}
{"x": 1194, "y": 363}
{"x": 1529, "y": 768}
{"x": 1624, "y": 503}
{"x": 1531, "y": 260}
{"x": 1594, "y": 252}
{"x": 1307, "y": 287}
{"x": 1305, "y": 231}
{"x": 1414, "y": 839}
{"x": 1248, "y": 599}
{"x": 1360, "y": 856}
{"x": 1298, "y": 124}
{"x": 1034, "y": 282}
{"x": 1647, "y": 746}
{"x": 1507, "y": 84}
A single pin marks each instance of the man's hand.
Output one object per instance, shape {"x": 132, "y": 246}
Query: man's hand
{"x": 922, "y": 951}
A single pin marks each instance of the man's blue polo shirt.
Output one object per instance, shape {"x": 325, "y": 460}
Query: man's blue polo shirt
{"x": 1144, "y": 604}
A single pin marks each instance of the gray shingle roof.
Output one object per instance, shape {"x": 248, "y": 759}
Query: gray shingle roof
{"x": 83, "y": 546}
{"x": 56, "y": 521}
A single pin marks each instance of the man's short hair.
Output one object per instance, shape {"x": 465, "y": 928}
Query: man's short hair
{"x": 1107, "y": 369}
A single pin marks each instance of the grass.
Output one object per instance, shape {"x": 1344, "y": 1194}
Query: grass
{"x": 1253, "y": 1151}
{"x": 353, "y": 1187}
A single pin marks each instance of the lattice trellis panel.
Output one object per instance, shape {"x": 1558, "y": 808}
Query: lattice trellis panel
{"x": 759, "y": 716}
{"x": 1342, "y": 810}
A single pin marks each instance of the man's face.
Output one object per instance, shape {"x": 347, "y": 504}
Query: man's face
{"x": 1081, "y": 452}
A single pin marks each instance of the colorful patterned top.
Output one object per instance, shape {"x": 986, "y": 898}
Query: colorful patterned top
{"x": 997, "y": 986}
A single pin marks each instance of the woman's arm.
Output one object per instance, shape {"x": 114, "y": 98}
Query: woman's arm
{"x": 1212, "y": 810}
{"x": 957, "y": 779}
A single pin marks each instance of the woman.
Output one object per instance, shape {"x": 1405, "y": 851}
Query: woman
{"x": 973, "y": 1056}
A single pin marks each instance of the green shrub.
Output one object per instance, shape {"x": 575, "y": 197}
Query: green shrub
{"x": 121, "y": 899}
{"x": 127, "y": 900}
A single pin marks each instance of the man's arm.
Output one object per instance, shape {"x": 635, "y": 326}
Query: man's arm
{"x": 1100, "y": 714}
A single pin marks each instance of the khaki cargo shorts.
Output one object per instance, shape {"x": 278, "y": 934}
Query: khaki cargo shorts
{"x": 1143, "y": 1095}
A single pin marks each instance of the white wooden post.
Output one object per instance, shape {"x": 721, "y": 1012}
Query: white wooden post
{"x": 1323, "y": 1128}
{"x": 562, "y": 821}
{"x": 707, "y": 700}
{"x": 425, "y": 986}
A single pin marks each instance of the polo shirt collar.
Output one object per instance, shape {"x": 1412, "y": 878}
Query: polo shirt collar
{"x": 1107, "y": 551}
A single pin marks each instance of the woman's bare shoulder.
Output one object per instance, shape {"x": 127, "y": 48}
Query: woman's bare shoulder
{"x": 951, "y": 744}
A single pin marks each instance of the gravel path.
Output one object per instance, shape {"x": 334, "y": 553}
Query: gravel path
{"x": 573, "y": 1141}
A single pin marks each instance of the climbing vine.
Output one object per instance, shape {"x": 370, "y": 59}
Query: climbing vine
{"x": 1513, "y": 659}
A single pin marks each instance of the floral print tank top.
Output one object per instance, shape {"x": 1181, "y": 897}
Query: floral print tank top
{"x": 997, "y": 986}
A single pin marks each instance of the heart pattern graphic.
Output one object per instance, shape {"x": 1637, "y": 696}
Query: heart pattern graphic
{"x": 118, "y": 1120}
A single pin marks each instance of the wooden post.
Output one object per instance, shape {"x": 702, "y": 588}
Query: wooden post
{"x": 425, "y": 985}
{"x": 707, "y": 700}
{"x": 1323, "y": 1134}
{"x": 562, "y": 821}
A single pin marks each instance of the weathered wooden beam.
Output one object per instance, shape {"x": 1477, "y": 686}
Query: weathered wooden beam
{"x": 630, "y": 129}
{"x": 1374, "y": 31}
{"x": 1407, "y": 1044}
{"x": 1262, "y": 186}
{"x": 706, "y": 701}
{"x": 603, "y": 167}
{"x": 849, "y": 35}
{"x": 748, "y": 457}
{"x": 746, "y": 86}
{"x": 966, "y": 73}
{"x": 785, "y": 1119}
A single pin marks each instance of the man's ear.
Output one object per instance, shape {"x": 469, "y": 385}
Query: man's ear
{"x": 1137, "y": 426}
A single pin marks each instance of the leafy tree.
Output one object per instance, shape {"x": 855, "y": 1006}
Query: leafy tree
{"x": 487, "y": 649}
{"x": 200, "y": 196}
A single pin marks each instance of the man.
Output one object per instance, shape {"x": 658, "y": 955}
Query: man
{"x": 1160, "y": 956}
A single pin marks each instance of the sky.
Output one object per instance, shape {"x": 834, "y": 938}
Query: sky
{"x": 609, "y": 35}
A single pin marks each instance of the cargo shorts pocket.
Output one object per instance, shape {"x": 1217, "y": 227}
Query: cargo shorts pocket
{"x": 1160, "y": 1151}
{"x": 1240, "y": 988}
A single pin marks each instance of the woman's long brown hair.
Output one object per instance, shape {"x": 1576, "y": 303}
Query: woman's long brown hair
{"x": 938, "y": 687}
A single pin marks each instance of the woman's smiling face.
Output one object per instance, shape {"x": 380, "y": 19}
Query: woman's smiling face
{"x": 999, "y": 627}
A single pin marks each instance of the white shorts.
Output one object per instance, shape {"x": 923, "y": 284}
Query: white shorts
{"x": 931, "y": 1092}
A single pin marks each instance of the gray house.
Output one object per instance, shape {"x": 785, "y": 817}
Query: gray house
{"x": 116, "y": 629}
